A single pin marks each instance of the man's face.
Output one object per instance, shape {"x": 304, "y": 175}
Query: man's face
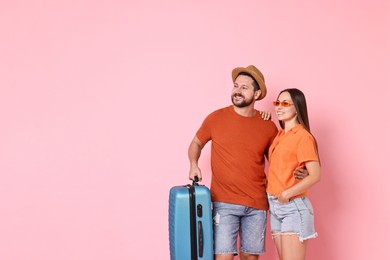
{"x": 243, "y": 93}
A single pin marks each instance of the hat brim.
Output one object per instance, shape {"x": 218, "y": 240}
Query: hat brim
{"x": 255, "y": 75}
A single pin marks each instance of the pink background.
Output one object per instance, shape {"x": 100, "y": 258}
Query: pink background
{"x": 100, "y": 99}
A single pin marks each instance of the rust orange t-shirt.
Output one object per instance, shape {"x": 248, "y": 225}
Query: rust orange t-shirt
{"x": 237, "y": 156}
{"x": 287, "y": 152}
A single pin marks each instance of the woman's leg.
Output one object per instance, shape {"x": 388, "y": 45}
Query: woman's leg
{"x": 278, "y": 244}
{"x": 292, "y": 248}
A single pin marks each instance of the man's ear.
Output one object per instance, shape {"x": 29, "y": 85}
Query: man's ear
{"x": 257, "y": 94}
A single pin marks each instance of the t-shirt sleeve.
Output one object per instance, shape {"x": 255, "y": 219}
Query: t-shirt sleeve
{"x": 204, "y": 132}
{"x": 307, "y": 149}
{"x": 274, "y": 133}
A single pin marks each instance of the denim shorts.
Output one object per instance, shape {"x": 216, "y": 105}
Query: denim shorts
{"x": 295, "y": 216}
{"x": 231, "y": 220}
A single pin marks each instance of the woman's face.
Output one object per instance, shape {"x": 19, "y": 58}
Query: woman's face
{"x": 288, "y": 112}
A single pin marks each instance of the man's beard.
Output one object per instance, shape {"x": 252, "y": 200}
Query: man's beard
{"x": 243, "y": 102}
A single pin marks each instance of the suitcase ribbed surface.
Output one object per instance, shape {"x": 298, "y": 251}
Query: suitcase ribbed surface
{"x": 179, "y": 223}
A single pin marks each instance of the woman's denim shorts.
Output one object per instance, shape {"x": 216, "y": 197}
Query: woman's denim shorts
{"x": 295, "y": 216}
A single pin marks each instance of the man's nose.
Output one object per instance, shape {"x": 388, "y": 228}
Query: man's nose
{"x": 238, "y": 90}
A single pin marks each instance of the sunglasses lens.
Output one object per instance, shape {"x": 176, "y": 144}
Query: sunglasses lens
{"x": 282, "y": 103}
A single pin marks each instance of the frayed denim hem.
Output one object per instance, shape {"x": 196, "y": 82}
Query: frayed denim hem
{"x": 308, "y": 237}
{"x": 275, "y": 234}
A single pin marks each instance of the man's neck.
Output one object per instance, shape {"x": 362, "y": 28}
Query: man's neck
{"x": 247, "y": 111}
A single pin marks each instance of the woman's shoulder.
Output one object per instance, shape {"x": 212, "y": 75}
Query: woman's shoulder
{"x": 303, "y": 133}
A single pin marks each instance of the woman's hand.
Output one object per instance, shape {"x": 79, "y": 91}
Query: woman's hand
{"x": 266, "y": 115}
{"x": 283, "y": 197}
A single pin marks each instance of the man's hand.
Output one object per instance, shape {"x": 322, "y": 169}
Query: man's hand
{"x": 195, "y": 171}
{"x": 266, "y": 115}
{"x": 301, "y": 173}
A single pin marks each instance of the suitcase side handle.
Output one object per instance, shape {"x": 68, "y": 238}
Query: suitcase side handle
{"x": 200, "y": 238}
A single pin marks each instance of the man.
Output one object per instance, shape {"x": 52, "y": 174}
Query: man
{"x": 240, "y": 140}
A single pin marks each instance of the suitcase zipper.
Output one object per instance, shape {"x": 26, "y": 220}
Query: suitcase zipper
{"x": 194, "y": 250}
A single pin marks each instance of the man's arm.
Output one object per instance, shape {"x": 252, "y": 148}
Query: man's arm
{"x": 314, "y": 176}
{"x": 194, "y": 151}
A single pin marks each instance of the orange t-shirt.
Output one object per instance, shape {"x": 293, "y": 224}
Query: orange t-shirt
{"x": 237, "y": 156}
{"x": 287, "y": 152}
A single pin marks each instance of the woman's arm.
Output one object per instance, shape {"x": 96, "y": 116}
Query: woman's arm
{"x": 314, "y": 170}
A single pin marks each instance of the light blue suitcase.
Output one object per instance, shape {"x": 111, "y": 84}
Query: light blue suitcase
{"x": 190, "y": 223}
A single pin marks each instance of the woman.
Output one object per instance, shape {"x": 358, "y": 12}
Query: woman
{"x": 292, "y": 220}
